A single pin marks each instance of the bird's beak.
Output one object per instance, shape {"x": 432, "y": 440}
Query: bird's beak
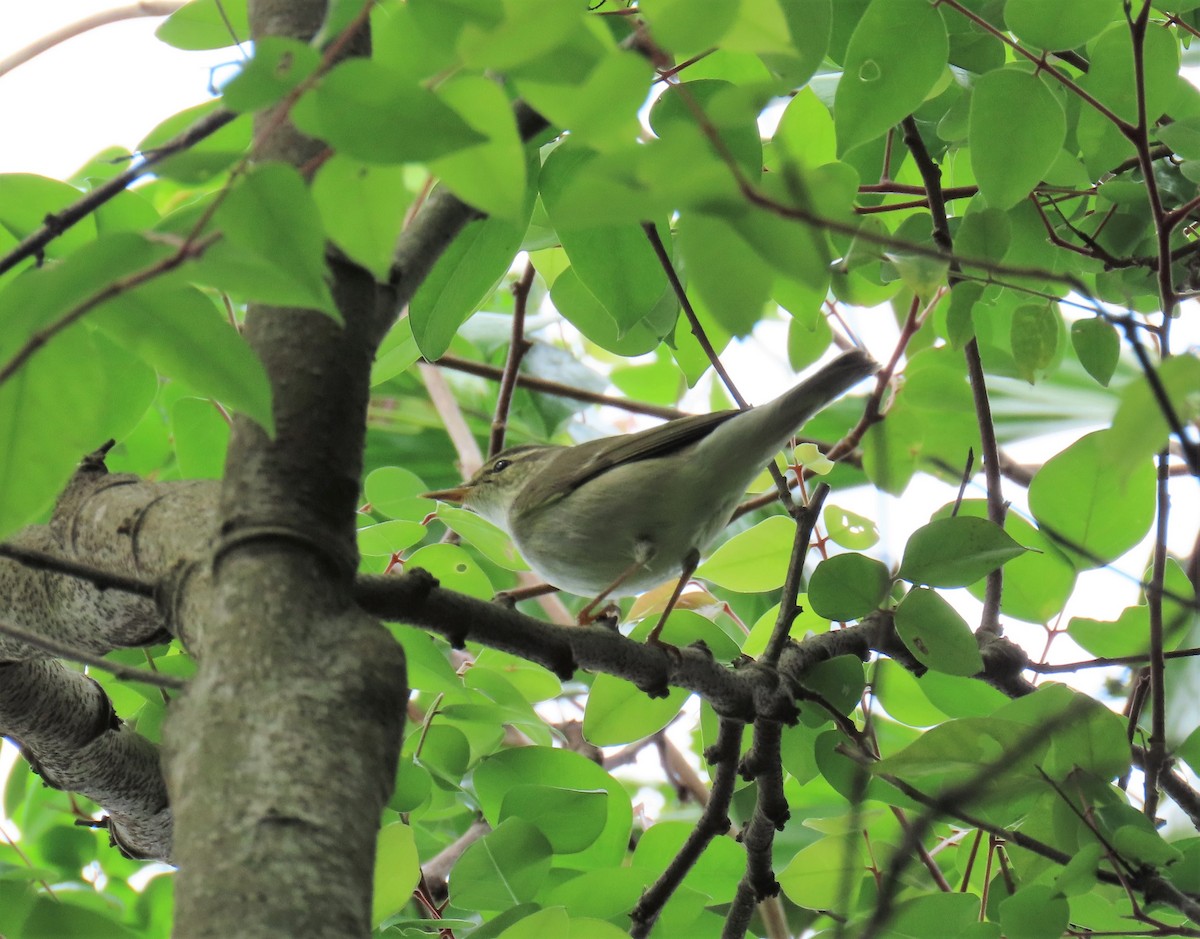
{"x": 458, "y": 494}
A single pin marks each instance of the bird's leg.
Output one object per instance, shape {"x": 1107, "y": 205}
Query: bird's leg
{"x": 586, "y": 615}
{"x": 643, "y": 551}
{"x": 690, "y": 562}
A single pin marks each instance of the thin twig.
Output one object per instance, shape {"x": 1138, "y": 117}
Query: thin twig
{"x": 1044, "y": 668}
{"x": 1161, "y": 398}
{"x": 932, "y": 176}
{"x": 79, "y": 27}
{"x": 761, "y": 763}
{"x": 805, "y": 523}
{"x": 188, "y": 250}
{"x": 713, "y": 822}
{"x": 105, "y": 580}
{"x": 518, "y": 345}
{"x": 664, "y": 260}
{"x": 64, "y": 651}
{"x": 57, "y": 223}
{"x": 1040, "y": 61}
{"x": 545, "y": 386}
{"x": 1156, "y": 752}
{"x": 1139, "y": 136}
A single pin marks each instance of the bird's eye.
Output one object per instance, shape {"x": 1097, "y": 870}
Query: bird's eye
{"x": 501, "y": 465}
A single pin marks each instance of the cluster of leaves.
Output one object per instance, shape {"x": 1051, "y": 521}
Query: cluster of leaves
{"x": 782, "y": 150}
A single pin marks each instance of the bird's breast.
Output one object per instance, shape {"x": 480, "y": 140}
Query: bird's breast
{"x": 583, "y": 542}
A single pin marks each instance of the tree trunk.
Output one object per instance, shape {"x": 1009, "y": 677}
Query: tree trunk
{"x": 298, "y": 691}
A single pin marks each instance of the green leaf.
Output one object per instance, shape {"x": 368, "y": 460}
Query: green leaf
{"x": 805, "y": 622}
{"x": 616, "y": 264}
{"x": 390, "y": 537}
{"x": 900, "y": 693}
{"x": 68, "y": 920}
{"x": 715, "y": 874}
{"x": 1033, "y": 336}
{"x": 1036, "y": 911}
{"x": 618, "y": 711}
{"x": 570, "y": 819}
{"x": 556, "y": 921}
{"x": 1064, "y": 24}
{"x": 805, "y": 135}
{"x": 369, "y": 111}
{"x": 206, "y": 158}
{"x": 279, "y": 66}
{"x": 526, "y": 33}
{"x": 658, "y": 382}
{"x": 181, "y": 333}
{"x": 201, "y": 436}
{"x": 39, "y": 296}
{"x": 1083, "y": 733}
{"x": 1142, "y": 846}
{"x": 396, "y": 354}
{"x": 1038, "y": 583}
{"x": 481, "y": 534}
{"x": 270, "y": 217}
{"x": 413, "y": 784}
{"x": 507, "y": 866}
{"x": 1097, "y": 346}
{"x": 849, "y": 529}
{"x": 397, "y": 871}
{"x": 602, "y": 111}
{"x": 839, "y": 681}
{"x": 454, "y": 568}
{"x": 897, "y": 53}
{"x": 462, "y": 278}
{"x": 1183, "y": 137}
{"x": 936, "y": 635}
{"x": 808, "y": 22}
{"x": 1093, "y": 514}
{"x": 848, "y": 586}
{"x": 206, "y": 24}
{"x": 27, "y": 200}
{"x": 689, "y": 26}
{"x": 726, "y": 109}
{"x": 1189, "y": 750}
{"x": 500, "y": 773}
{"x": 754, "y": 560}
{"x": 733, "y": 280}
{"x": 492, "y": 175}
{"x": 1129, "y": 634}
{"x": 1010, "y": 157}
{"x": 395, "y": 492}
{"x": 960, "y": 697}
{"x": 954, "y": 552}
{"x": 825, "y": 876}
{"x": 809, "y": 334}
{"x": 581, "y": 308}
{"x": 362, "y": 208}
{"x": 1110, "y": 76}
{"x": 985, "y": 233}
{"x": 937, "y": 914}
{"x": 1139, "y": 428}
{"x": 75, "y": 385}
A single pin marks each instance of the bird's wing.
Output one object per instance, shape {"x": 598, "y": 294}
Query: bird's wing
{"x": 598, "y": 456}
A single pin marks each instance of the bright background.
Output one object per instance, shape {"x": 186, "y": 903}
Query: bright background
{"x": 133, "y": 82}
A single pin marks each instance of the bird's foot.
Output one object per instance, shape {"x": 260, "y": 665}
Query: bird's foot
{"x": 608, "y": 616}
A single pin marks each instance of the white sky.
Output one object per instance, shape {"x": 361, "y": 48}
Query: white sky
{"x": 108, "y": 86}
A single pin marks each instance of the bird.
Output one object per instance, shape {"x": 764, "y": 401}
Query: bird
{"x": 616, "y": 516}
